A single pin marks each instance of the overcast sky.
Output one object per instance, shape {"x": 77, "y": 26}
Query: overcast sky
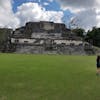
{"x": 81, "y": 13}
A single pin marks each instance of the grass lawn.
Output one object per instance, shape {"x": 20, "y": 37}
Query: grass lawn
{"x": 48, "y": 77}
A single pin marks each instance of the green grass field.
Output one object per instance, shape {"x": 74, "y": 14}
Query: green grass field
{"x": 48, "y": 77}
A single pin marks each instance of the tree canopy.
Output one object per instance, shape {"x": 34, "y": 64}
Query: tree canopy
{"x": 79, "y": 31}
{"x": 93, "y": 36}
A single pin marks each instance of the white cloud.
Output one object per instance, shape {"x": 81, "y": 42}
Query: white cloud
{"x": 45, "y": 3}
{"x": 78, "y": 5}
{"x": 86, "y": 11}
{"x": 7, "y": 18}
{"x": 85, "y": 19}
{"x": 34, "y": 12}
{"x": 25, "y": 12}
{"x": 53, "y": 16}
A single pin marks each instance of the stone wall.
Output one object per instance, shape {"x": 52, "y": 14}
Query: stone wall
{"x": 59, "y": 49}
{"x": 40, "y": 27}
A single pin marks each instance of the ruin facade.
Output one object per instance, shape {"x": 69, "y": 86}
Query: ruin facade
{"x": 45, "y": 38}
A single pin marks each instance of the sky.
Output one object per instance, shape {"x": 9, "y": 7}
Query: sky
{"x": 74, "y": 13}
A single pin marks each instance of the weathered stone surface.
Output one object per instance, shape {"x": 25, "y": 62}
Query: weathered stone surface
{"x": 46, "y": 38}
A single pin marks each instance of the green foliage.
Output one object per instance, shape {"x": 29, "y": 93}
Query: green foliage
{"x": 94, "y": 36}
{"x": 79, "y": 32}
{"x": 4, "y": 38}
{"x": 48, "y": 77}
{"x": 4, "y": 33}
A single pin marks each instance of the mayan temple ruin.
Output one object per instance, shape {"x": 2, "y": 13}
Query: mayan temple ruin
{"x": 46, "y": 38}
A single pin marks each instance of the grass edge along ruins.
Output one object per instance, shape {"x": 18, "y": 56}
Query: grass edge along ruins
{"x": 44, "y": 38}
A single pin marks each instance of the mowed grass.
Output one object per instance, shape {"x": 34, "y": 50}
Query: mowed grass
{"x": 48, "y": 77}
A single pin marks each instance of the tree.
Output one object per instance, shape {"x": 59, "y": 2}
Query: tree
{"x": 4, "y": 37}
{"x": 79, "y": 32}
{"x": 94, "y": 36}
